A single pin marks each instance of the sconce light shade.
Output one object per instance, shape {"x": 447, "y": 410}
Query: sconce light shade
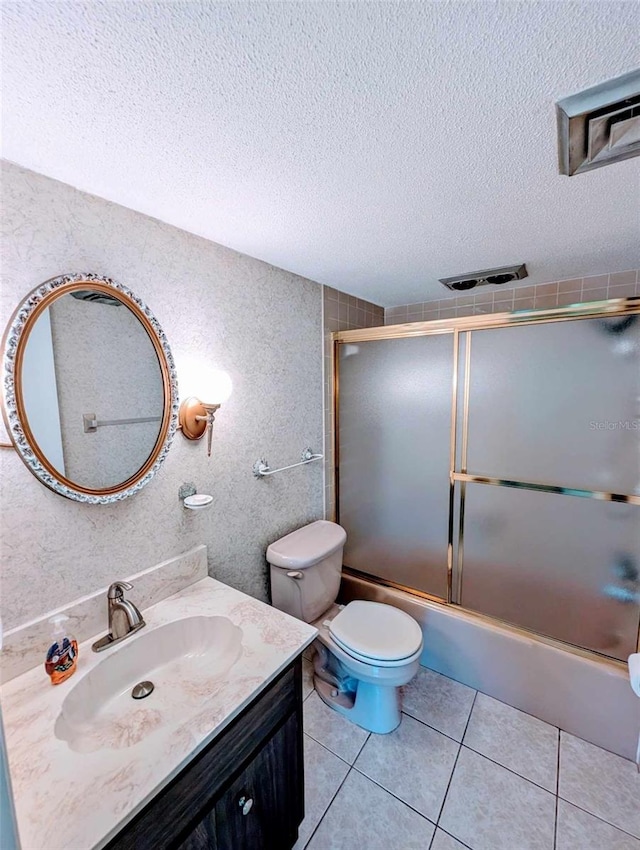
{"x": 216, "y": 387}
{"x": 196, "y": 417}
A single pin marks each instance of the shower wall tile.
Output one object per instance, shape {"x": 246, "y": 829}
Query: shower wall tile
{"x": 352, "y": 313}
{"x": 544, "y": 302}
{"x": 525, "y": 303}
{"x": 503, "y": 304}
{"x": 596, "y": 282}
{"x": 568, "y": 297}
{"x": 556, "y": 293}
{"x": 623, "y": 290}
{"x": 545, "y": 290}
{"x": 621, "y": 278}
{"x": 526, "y": 291}
{"x": 574, "y": 284}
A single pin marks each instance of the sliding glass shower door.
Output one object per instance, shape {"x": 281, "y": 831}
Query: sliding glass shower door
{"x": 394, "y": 436}
{"x": 536, "y": 425}
{"x": 553, "y": 425}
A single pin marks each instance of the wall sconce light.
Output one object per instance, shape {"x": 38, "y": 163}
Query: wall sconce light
{"x": 196, "y": 417}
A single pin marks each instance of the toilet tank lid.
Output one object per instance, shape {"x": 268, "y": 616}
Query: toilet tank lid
{"x": 307, "y": 545}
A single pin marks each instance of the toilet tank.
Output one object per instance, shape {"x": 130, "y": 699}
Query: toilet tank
{"x": 306, "y": 567}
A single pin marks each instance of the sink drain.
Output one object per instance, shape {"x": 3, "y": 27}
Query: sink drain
{"x": 142, "y": 690}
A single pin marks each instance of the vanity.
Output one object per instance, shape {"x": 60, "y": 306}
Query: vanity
{"x": 212, "y": 758}
{"x": 183, "y": 729}
{"x": 245, "y": 790}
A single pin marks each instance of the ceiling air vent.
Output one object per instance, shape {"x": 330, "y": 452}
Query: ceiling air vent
{"x": 599, "y": 125}
{"x": 505, "y": 274}
{"x": 96, "y": 297}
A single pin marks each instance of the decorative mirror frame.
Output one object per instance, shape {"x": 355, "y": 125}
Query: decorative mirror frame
{"x": 13, "y": 347}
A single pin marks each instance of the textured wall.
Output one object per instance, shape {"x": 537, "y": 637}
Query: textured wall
{"x": 557, "y": 293}
{"x": 261, "y": 324}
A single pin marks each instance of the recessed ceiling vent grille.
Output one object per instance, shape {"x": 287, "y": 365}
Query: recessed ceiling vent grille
{"x": 487, "y": 277}
{"x": 600, "y": 125}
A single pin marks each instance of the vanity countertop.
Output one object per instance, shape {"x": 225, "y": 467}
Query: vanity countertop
{"x": 67, "y": 800}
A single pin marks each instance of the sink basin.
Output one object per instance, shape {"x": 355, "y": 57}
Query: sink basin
{"x": 185, "y": 660}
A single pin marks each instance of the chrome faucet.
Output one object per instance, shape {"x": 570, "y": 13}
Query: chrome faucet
{"x": 124, "y": 617}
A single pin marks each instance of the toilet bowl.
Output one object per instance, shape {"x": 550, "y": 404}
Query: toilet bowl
{"x": 365, "y": 651}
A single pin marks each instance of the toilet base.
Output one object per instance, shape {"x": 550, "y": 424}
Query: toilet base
{"x": 373, "y": 707}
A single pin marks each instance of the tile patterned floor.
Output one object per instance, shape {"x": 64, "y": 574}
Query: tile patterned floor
{"x": 462, "y": 772}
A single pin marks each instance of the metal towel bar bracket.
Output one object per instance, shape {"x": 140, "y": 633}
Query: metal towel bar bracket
{"x": 91, "y": 422}
{"x": 261, "y": 468}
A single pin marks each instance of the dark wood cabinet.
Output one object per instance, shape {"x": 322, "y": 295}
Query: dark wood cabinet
{"x": 245, "y": 791}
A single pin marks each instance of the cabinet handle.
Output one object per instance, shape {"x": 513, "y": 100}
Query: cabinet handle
{"x": 246, "y": 804}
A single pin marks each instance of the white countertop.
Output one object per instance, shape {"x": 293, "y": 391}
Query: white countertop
{"x": 68, "y": 800}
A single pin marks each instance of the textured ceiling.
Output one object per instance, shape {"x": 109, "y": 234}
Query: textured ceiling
{"x": 371, "y": 146}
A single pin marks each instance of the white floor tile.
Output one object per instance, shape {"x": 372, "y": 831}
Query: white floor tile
{"x": 442, "y": 841}
{"x": 577, "y": 829}
{"x": 489, "y": 808}
{"x": 307, "y": 678}
{"x": 414, "y": 762}
{"x": 331, "y": 729}
{"x": 603, "y": 784}
{"x": 365, "y": 817}
{"x": 515, "y": 740}
{"x": 323, "y": 775}
{"x": 438, "y": 701}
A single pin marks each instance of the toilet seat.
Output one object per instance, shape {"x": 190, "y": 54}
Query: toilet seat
{"x": 376, "y": 633}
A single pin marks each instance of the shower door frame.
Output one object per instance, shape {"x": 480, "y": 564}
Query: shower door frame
{"x": 460, "y": 329}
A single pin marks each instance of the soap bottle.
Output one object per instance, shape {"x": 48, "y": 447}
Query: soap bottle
{"x": 62, "y": 657}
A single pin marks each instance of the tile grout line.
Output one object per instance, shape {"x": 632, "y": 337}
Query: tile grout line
{"x": 602, "y": 820}
{"x": 309, "y": 840}
{"x": 461, "y": 843}
{"x": 391, "y": 794}
{"x": 328, "y": 749}
{"x": 511, "y": 770}
{"x": 477, "y": 752}
{"x": 429, "y": 726}
{"x": 502, "y": 702}
{"x": 460, "y": 746}
{"x": 453, "y": 770}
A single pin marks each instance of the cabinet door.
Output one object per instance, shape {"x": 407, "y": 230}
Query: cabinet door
{"x": 263, "y": 807}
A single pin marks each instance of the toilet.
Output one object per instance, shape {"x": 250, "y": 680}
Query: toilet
{"x": 365, "y": 651}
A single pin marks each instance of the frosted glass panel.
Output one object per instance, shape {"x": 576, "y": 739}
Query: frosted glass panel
{"x": 563, "y": 566}
{"x": 558, "y": 403}
{"x": 394, "y": 429}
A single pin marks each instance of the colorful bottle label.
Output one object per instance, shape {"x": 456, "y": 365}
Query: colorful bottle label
{"x": 61, "y": 660}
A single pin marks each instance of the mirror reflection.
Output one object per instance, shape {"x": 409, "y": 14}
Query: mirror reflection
{"x": 92, "y": 388}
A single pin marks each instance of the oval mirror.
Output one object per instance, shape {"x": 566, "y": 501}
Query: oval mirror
{"x": 90, "y": 392}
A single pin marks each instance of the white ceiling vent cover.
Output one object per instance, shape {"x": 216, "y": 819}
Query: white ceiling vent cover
{"x": 599, "y": 125}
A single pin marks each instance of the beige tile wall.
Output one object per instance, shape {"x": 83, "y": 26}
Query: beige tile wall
{"x": 342, "y": 312}
{"x": 554, "y": 294}
{"x": 345, "y": 312}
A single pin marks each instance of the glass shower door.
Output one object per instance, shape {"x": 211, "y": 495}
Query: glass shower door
{"x": 553, "y": 427}
{"x": 394, "y": 428}
{"x": 563, "y": 566}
